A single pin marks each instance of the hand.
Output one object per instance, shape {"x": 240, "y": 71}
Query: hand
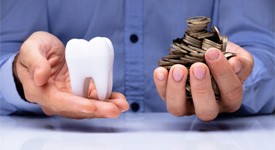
{"x": 229, "y": 76}
{"x": 42, "y": 70}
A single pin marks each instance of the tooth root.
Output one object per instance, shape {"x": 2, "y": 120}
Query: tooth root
{"x": 101, "y": 83}
{"x": 86, "y": 84}
{"x": 85, "y": 63}
{"x": 79, "y": 85}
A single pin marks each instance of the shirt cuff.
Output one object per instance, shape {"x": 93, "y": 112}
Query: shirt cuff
{"x": 9, "y": 92}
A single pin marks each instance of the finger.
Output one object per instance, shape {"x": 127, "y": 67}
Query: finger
{"x": 120, "y": 101}
{"x": 176, "y": 91}
{"x": 241, "y": 67}
{"x": 242, "y": 64}
{"x": 229, "y": 85}
{"x": 206, "y": 106}
{"x": 116, "y": 98}
{"x": 72, "y": 106}
{"x": 232, "y": 47}
{"x": 160, "y": 78}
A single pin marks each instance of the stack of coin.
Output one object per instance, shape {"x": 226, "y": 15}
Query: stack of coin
{"x": 192, "y": 47}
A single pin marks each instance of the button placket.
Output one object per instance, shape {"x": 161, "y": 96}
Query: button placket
{"x": 134, "y": 55}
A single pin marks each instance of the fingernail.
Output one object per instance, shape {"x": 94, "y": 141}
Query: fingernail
{"x": 238, "y": 66}
{"x": 160, "y": 76}
{"x": 177, "y": 74}
{"x": 213, "y": 54}
{"x": 199, "y": 72}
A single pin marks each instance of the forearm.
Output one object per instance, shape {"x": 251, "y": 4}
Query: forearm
{"x": 244, "y": 24}
{"x": 259, "y": 88}
{"x": 15, "y": 28}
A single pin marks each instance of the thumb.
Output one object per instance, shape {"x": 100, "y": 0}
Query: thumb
{"x": 243, "y": 63}
{"x": 241, "y": 66}
{"x": 42, "y": 72}
{"x": 32, "y": 57}
{"x": 38, "y": 66}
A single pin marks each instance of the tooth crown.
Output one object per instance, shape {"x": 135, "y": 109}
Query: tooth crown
{"x": 90, "y": 60}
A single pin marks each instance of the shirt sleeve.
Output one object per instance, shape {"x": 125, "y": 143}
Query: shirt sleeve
{"x": 250, "y": 24}
{"x": 19, "y": 19}
{"x": 10, "y": 99}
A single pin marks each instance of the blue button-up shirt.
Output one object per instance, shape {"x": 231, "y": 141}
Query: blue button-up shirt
{"x": 141, "y": 32}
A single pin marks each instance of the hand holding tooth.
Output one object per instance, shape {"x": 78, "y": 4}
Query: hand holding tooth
{"x": 42, "y": 69}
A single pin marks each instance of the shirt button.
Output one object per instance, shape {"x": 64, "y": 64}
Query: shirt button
{"x": 134, "y": 38}
{"x": 135, "y": 107}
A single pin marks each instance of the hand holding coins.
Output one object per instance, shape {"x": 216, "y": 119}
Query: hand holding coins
{"x": 192, "y": 47}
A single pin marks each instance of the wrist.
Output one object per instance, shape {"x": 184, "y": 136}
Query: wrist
{"x": 18, "y": 84}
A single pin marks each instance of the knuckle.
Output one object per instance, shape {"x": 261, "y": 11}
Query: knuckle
{"x": 199, "y": 92}
{"x": 221, "y": 74}
{"x": 29, "y": 97}
{"x": 120, "y": 96}
{"x": 232, "y": 108}
{"x": 234, "y": 94}
{"x": 176, "y": 112}
{"x": 163, "y": 96}
{"x": 207, "y": 115}
{"x": 47, "y": 111}
{"x": 125, "y": 106}
{"x": 233, "y": 99}
{"x": 53, "y": 109}
{"x": 114, "y": 113}
{"x": 161, "y": 93}
{"x": 26, "y": 46}
{"x": 89, "y": 108}
{"x": 71, "y": 115}
{"x": 109, "y": 111}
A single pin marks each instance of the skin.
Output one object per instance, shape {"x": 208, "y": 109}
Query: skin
{"x": 41, "y": 68}
{"x": 229, "y": 75}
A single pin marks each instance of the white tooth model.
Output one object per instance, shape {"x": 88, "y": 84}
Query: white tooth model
{"x": 93, "y": 59}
